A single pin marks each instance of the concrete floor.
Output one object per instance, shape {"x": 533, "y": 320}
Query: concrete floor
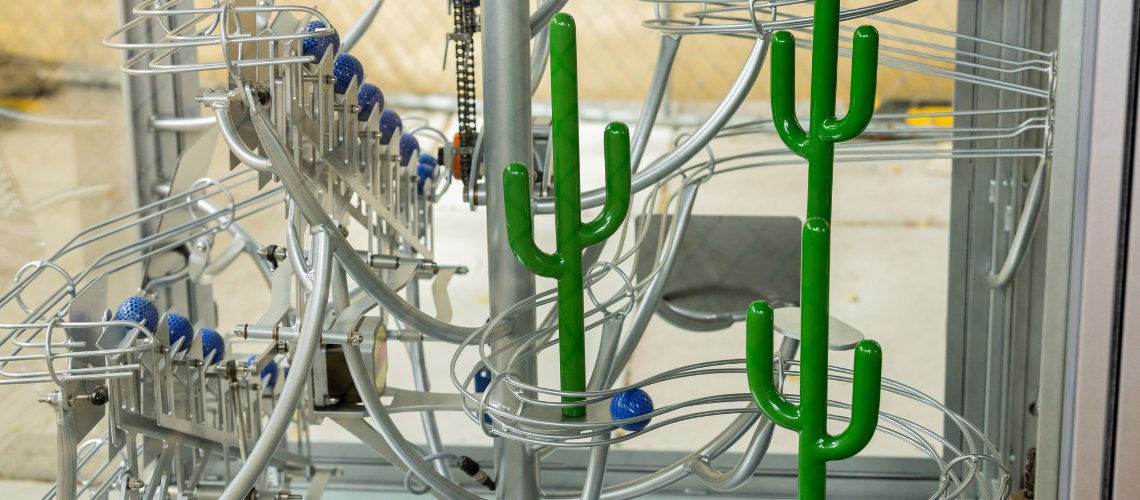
{"x": 889, "y": 274}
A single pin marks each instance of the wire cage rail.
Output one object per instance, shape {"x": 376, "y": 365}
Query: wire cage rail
{"x": 320, "y": 142}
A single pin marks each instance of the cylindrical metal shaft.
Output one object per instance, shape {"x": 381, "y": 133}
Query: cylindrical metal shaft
{"x": 507, "y": 138}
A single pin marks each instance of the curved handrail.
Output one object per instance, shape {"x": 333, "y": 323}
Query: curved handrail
{"x": 700, "y": 138}
{"x": 1025, "y": 228}
{"x": 308, "y": 341}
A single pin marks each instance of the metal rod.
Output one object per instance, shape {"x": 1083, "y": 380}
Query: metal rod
{"x": 356, "y": 32}
{"x": 308, "y": 341}
{"x": 508, "y": 138}
{"x": 657, "y": 88}
{"x": 656, "y": 287}
{"x": 1025, "y": 228}
{"x": 172, "y": 124}
{"x": 402, "y": 448}
{"x": 354, "y": 265}
{"x": 420, "y": 377}
{"x": 700, "y": 138}
{"x": 543, "y": 13}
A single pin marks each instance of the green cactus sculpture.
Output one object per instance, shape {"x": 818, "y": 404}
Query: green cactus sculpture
{"x": 573, "y": 236}
{"x": 817, "y": 146}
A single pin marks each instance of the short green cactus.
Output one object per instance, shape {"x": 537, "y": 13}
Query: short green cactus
{"x": 573, "y": 236}
{"x": 817, "y": 145}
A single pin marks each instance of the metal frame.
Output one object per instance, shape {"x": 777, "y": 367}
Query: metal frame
{"x": 993, "y": 332}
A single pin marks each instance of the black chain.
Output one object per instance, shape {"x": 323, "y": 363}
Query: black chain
{"x": 466, "y": 26}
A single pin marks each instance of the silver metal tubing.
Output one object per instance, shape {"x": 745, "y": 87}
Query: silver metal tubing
{"x": 171, "y": 124}
{"x": 509, "y": 138}
{"x": 757, "y": 449}
{"x": 66, "y": 453}
{"x": 538, "y": 57}
{"x": 296, "y": 255}
{"x": 541, "y": 16}
{"x": 656, "y": 287}
{"x": 308, "y": 340}
{"x": 339, "y": 289}
{"x": 673, "y": 473}
{"x": 695, "y": 143}
{"x": 233, "y": 140}
{"x": 611, "y": 334}
{"x": 696, "y": 321}
{"x": 238, "y": 231}
{"x": 423, "y": 384}
{"x": 710, "y": 451}
{"x": 311, "y": 209}
{"x": 1025, "y": 228}
{"x": 356, "y": 32}
{"x": 596, "y": 470}
{"x": 735, "y": 478}
{"x": 403, "y": 449}
{"x": 657, "y": 87}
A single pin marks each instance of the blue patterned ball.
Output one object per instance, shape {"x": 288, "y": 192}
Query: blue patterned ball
{"x": 631, "y": 404}
{"x": 409, "y": 148}
{"x": 346, "y": 67}
{"x": 389, "y": 122}
{"x": 316, "y": 46}
{"x": 425, "y": 170}
{"x": 270, "y": 371}
{"x": 180, "y": 328}
{"x": 212, "y": 342}
{"x": 139, "y": 310}
{"x": 482, "y": 380}
{"x": 368, "y": 97}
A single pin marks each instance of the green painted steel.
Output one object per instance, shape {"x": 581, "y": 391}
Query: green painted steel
{"x": 817, "y": 146}
{"x": 573, "y": 236}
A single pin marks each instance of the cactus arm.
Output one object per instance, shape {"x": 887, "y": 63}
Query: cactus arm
{"x": 520, "y": 231}
{"x": 761, "y": 381}
{"x": 784, "y": 94}
{"x": 864, "y": 63}
{"x": 864, "y": 405}
{"x": 618, "y": 178}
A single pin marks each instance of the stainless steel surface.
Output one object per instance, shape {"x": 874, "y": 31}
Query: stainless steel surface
{"x": 308, "y": 342}
{"x": 193, "y": 124}
{"x": 841, "y": 336}
{"x": 507, "y": 138}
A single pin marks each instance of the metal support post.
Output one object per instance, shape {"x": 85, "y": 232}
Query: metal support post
{"x": 506, "y": 98}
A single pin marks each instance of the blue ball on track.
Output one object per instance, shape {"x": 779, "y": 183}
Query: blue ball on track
{"x": 213, "y": 342}
{"x": 482, "y": 380}
{"x": 409, "y": 147}
{"x": 269, "y": 371}
{"x": 425, "y": 170}
{"x": 180, "y": 328}
{"x": 138, "y": 310}
{"x": 631, "y": 404}
{"x": 389, "y": 122}
{"x": 368, "y": 97}
{"x": 346, "y": 67}
{"x": 316, "y": 46}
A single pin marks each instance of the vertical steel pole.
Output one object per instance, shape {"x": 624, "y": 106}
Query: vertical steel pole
{"x": 507, "y": 138}
{"x": 419, "y": 370}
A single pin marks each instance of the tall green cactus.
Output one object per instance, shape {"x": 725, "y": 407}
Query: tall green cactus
{"x": 573, "y": 236}
{"x": 817, "y": 146}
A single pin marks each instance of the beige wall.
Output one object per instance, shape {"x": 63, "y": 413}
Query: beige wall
{"x": 403, "y": 51}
